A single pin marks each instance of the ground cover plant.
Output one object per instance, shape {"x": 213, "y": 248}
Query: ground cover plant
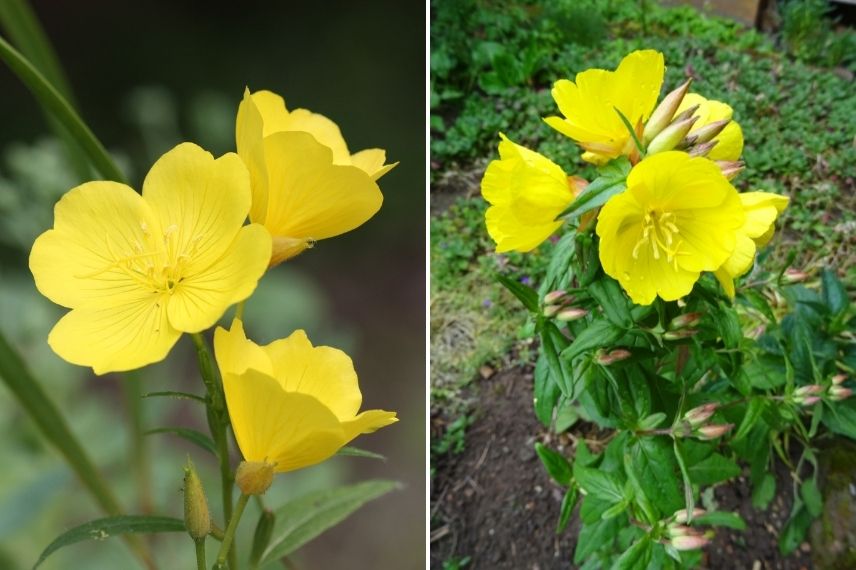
{"x": 725, "y": 63}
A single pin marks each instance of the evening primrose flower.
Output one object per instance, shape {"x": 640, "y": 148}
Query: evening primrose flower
{"x": 589, "y": 104}
{"x": 761, "y": 210}
{"x": 729, "y": 141}
{"x": 137, "y": 271}
{"x": 306, "y": 185}
{"x": 292, "y": 405}
{"x": 526, "y": 191}
{"x": 678, "y": 217}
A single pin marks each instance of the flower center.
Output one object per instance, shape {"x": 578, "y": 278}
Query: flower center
{"x": 661, "y": 234}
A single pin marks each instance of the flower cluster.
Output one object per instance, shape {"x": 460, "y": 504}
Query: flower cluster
{"x": 676, "y": 215}
{"x": 138, "y": 270}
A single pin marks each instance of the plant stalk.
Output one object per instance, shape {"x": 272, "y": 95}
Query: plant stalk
{"x": 200, "y": 554}
{"x": 229, "y": 536}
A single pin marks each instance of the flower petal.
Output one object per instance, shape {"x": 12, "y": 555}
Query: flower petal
{"x": 201, "y": 202}
{"x": 122, "y": 333}
{"x": 309, "y": 196}
{"x": 235, "y": 353}
{"x": 200, "y": 299}
{"x": 96, "y": 226}
{"x": 325, "y": 373}
{"x": 368, "y": 422}
{"x": 249, "y": 134}
{"x": 371, "y": 160}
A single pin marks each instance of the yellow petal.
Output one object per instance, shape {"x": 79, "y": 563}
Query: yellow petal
{"x": 200, "y": 299}
{"x": 200, "y": 202}
{"x": 249, "y": 134}
{"x": 741, "y": 259}
{"x": 271, "y": 107}
{"x": 762, "y": 209}
{"x": 368, "y": 422}
{"x": 122, "y": 333}
{"x": 235, "y": 353}
{"x": 729, "y": 145}
{"x": 325, "y": 373}
{"x": 726, "y": 280}
{"x": 372, "y": 161}
{"x": 310, "y": 198}
{"x": 291, "y": 430}
{"x": 323, "y": 129}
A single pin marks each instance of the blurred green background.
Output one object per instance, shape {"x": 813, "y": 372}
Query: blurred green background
{"x": 146, "y": 76}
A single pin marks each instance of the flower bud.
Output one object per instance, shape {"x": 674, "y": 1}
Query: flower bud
{"x": 261, "y": 538}
{"x": 698, "y": 415}
{"x": 707, "y": 433}
{"x": 687, "y": 320}
{"x": 838, "y": 393}
{"x": 554, "y": 296}
{"x": 613, "y": 356}
{"x": 839, "y": 379}
{"x": 671, "y": 136}
{"x": 810, "y": 390}
{"x": 689, "y": 542}
{"x": 676, "y": 530}
{"x": 709, "y": 131}
{"x": 572, "y": 314}
{"x": 810, "y": 401}
{"x": 197, "y": 518}
{"x": 702, "y": 149}
{"x": 551, "y": 310}
{"x": 730, "y": 168}
{"x": 679, "y": 335}
{"x": 254, "y": 477}
{"x": 685, "y": 114}
{"x": 792, "y": 275}
{"x": 665, "y": 111}
{"x": 681, "y": 515}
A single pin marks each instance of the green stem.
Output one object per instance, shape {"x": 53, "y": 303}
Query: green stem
{"x": 239, "y": 311}
{"x": 57, "y": 105}
{"x": 200, "y": 554}
{"x": 229, "y": 536}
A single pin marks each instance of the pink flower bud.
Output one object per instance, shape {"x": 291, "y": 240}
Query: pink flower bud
{"x": 838, "y": 393}
{"x": 665, "y": 112}
{"x": 689, "y": 542}
{"x": 730, "y": 168}
{"x": 687, "y": 320}
{"x": 613, "y": 356}
{"x": 792, "y": 275}
{"x": 681, "y": 515}
{"x": 702, "y": 149}
{"x": 839, "y": 379}
{"x": 553, "y": 296}
{"x": 572, "y": 314}
{"x": 678, "y": 335}
{"x": 707, "y": 433}
{"x": 810, "y": 401}
{"x": 809, "y": 390}
{"x": 676, "y": 530}
{"x": 697, "y": 416}
{"x": 551, "y": 310}
{"x": 671, "y": 136}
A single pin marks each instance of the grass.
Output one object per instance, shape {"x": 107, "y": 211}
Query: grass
{"x": 492, "y": 64}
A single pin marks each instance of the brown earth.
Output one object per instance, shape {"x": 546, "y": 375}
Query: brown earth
{"x": 495, "y": 503}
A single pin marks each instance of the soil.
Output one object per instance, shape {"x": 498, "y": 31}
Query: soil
{"x": 495, "y": 503}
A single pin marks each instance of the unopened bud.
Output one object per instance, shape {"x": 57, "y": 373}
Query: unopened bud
{"x": 553, "y": 296}
{"x": 709, "y": 131}
{"x": 665, "y": 111}
{"x": 197, "y": 518}
{"x": 702, "y": 149}
{"x": 687, "y": 320}
{"x": 730, "y": 168}
{"x": 839, "y": 379}
{"x": 689, "y": 542}
{"x": 792, "y": 275}
{"x": 551, "y": 310}
{"x": 697, "y": 416}
{"x": 810, "y": 401}
{"x": 254, "y": 477}
{"x": 707, "y": 433}
{"x": 682, "y": 518}
{"x": 810, "y": 390}
{"x": 679, "y": 335}
{"x": 676, "y": 530}
{"x": 572, "y": 314}
{"x": 671, "y": 136}
{"x": 261, "y": 538}
{"x": 685, "y": 114}
{"x": 756, "y": 332}
{"x": 838, "y": 393}
{"x": 613, "y": 356}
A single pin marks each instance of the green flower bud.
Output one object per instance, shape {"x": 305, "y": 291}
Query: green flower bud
{"x": 197, "y": 518}
{"x": 665, "y": 112}
{"x": 671, "y": 136}
{"x": 261, "y": 538}
{"x": 710, "y": 131}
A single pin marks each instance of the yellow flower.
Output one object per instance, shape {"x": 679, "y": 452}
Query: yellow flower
{"x": 761, "y": 209}
{"x": 291, "y": 404}
{"x": 729, "y": 144}
{"x": 306, "y": 185}
{"x": 526, "y": 192}
{"x": 589, "y": 104}
{"x": 137, "y": 271}
{"x": 678, "y": 217}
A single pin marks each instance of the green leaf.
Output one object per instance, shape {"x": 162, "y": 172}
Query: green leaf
{"x": 689, "y": 497}
{"x": 636, "y": 557}
{"x": 713, "y": 469}
{"x": 630, "y": 130}
{"x": 357, "y": 452}
{"x": 834, "y": 293}
{"x": 640, "y": 495}
{"x": 794, "y": 531}
{"x": 616, "y": 306}
{"x": 568, "y": 504}
{"x": 654, "y": 462}
{"x": 102, "y": 529}
{"x": 190, "y": 435}
{"x": 611, "y": 182}
{"x": 176, "y": 395}
{"x": 812, "y": 497}
{"x": 615, "y": 510}
{"x": 720, "y": 518}
{"x": 728, "y": 325}
{"x": 764, "y": 492}
{"x": 598, "y": 334}
{"x": 753, "y": 412}
{"x": 525, "y": 294}
{"x": 651, "y": 422}
{"x": 599, "y": 484}
{"x": 557, "y": 466}
{"x": 559, "y": 271}
{"x": 594, "y": 537}
{"x": 304, "y": 518}
{"x": 841, "y": 418}
{"x": 553, "y": 342}
{"x": 546, "y": 391}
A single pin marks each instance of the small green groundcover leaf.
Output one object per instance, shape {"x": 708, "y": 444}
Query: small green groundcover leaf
{"x": 304, "y": 518}
{"x": 102, "y": 529}
{"x": 357, "y": 452}
{"x": 555, "y": 463}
